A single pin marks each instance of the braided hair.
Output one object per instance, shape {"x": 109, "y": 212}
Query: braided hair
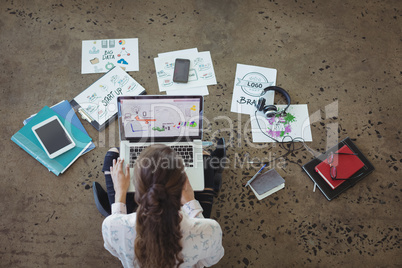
{"x": 159, "y": 180}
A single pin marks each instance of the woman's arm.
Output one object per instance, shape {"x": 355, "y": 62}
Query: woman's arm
{"x": 187, "y": 193}
{"x": 121, "y": 182}
{"x": 190, "y": 206}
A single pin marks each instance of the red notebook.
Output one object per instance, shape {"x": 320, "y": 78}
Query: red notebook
{"x": 346, "y": 166}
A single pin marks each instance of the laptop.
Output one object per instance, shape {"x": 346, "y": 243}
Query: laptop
{"x": 175, "y": 121}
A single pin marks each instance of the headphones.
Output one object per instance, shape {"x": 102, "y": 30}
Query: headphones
{"x": 271, "y": 110}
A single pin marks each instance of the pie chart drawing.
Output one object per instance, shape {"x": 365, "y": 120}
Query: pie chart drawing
{"x": 122, "y": 42}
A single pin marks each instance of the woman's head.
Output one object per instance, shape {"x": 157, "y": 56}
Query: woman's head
{"x": 159, "y": 177}
{"x": 159, "y": 180}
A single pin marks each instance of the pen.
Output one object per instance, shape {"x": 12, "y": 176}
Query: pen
{"x": 259, "y": 171}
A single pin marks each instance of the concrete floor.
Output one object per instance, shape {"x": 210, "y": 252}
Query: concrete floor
{"x": 338, "y": 56}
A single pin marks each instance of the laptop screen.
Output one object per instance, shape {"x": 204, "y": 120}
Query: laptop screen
{"x": 160, "y": 118}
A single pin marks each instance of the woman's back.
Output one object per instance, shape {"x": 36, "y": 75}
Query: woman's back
{"x": 168, "y": 229}
{"x": 201, "y": 240}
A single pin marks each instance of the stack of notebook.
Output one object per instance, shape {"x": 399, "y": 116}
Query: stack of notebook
{"x": 26, "y": 139}
{"x": 350, "y": 168}
{"x": 346, "y": 163}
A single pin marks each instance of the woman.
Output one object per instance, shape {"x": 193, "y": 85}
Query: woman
{"x": 168, "y": 229}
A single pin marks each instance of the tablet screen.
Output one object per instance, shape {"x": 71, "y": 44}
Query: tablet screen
{"x": 53, "y": 136}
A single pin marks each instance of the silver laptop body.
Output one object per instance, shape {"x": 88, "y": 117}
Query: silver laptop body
{"x": 175, "y": 121}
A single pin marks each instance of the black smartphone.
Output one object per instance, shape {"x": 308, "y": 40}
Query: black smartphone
{"x": 181, "y": 69}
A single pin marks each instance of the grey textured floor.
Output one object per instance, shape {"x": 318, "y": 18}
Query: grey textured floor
{"x": 341, "y": 57}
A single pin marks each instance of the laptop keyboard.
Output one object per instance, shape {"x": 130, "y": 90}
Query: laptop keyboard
{"x": 185, "y": 151}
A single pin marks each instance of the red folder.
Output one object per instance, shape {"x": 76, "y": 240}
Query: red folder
{"x": 346, "y": 166}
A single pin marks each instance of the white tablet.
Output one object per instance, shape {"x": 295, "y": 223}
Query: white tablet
{"x": 53, "y": 136}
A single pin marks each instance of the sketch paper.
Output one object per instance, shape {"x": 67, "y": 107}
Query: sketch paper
{"x": 201, "y": 71}
{"x": 100, "y": 99}
{"x": 100, "y": 56}
{"x": 296, "y": 123}
{"x": 249, "y": 83}
{"x": 203, "y": 90}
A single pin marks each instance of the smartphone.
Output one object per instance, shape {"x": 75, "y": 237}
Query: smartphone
{"x": 181, "y": 70}
{"x": 53, "y": 137}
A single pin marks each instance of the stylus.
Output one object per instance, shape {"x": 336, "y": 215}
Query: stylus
{"x": 251, "y": 180}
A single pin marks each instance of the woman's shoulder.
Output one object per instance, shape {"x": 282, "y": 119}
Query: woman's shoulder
{"x": 118, "y": 227}
{"x": 200, "y": 225}
{"x": 119, "y": 220}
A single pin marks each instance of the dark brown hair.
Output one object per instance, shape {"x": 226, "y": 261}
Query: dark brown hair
{"x": 159, "y": 180}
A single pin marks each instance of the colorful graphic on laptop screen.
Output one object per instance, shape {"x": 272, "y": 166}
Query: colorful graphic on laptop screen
{"x": 162, "y": 117}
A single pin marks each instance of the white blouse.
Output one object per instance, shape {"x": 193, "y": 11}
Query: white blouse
{"x": 201, "y": 241}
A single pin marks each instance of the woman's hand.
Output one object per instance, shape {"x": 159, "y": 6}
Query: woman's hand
{"x": 121, "y": 180}
{"x": 187, "y": 192}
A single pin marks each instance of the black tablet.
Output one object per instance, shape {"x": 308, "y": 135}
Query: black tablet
{"x": 53, "y": 137}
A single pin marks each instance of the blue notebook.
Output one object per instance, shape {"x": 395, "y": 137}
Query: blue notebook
{"x": 64, "y": 109}
{"x": 26, "y": 139}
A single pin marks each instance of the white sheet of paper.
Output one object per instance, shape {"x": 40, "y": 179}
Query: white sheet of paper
{"x": 100, "y": 56}
{"x": 203, "y": 90}
{"x": 100, "y": 99}
{"x": 295, "y": 124}
{"x": 249, "y": 83}
{"x": 201, "y": 71}
{"x": 189, "y": 91}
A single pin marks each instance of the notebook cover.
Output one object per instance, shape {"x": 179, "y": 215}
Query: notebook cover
{"x": 267, "y": 181}
{"x": 26, "y": 139}
{"x": 323, "y": 186}
{"x": 64, "y": 109}
{"x": 346, "y": 166}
